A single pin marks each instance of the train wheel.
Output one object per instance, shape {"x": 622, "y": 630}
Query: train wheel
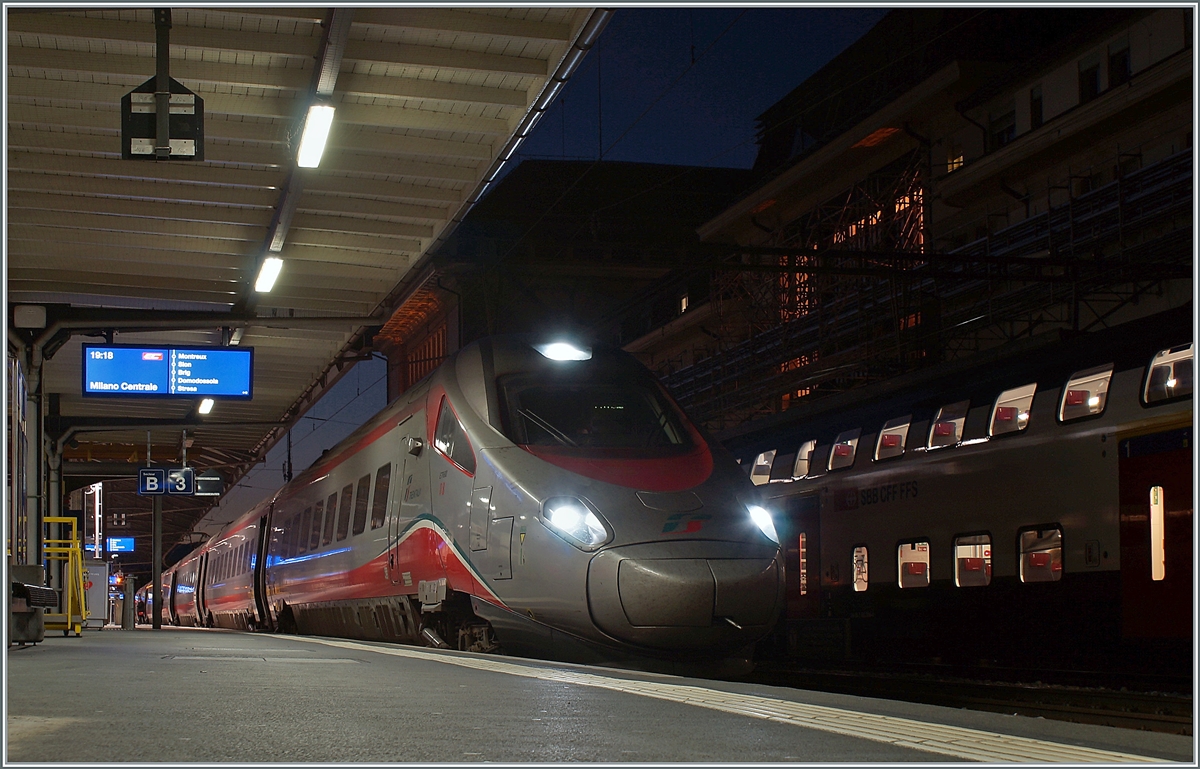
{"x": 477, "y": 636}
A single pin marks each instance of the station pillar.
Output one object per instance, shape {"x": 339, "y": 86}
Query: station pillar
{"x": 156, "y": 566}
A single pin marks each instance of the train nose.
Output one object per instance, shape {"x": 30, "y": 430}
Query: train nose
{"x": 707, "y": 595}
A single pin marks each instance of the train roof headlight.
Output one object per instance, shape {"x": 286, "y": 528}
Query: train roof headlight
{"x": 564, "y": 351}
{"x": 762, "y": 519}
{"x": 571, "y": 519}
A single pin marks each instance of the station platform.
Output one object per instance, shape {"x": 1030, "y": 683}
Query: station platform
{"x": 189, "y": 695}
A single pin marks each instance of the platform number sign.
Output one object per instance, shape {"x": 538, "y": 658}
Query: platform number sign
{"x": 177, "y": 481}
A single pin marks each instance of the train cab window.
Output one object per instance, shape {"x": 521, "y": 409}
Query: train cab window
{"x": 1170, "y": 375}
{"x": 360, "y": 504}
{"x": 859, "y": 563}
{"x": 947, "y": 426}
{"x": 803, "y": 456}
{"x": 1085, "y": 394}
{"x": 760, "y": 471}
{"x": 892, "y": 437}
{"x": 844, "y": 448}
{"x": 1011, "y": 412}
{"x": 973, "y": 560}
{"x": 303, "y": 529}
{"x": 451, "y": 440}
{"x": 344, "y": 512}
{"x": 1041, "y": 554}
{"x": 330, "y": 517}
{"x": 912, "y": 561}
{"x": 383, "y": 478}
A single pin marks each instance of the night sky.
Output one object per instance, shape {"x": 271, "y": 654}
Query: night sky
{"x": 694, "y": 114}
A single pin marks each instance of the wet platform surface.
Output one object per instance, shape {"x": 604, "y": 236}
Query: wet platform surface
{"x": 184, "y": 695}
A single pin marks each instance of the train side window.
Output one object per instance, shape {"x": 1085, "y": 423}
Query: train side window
{"x": 802, "y": 554}
{"x": 1169, "y": 375}
{"x": 331, "y": 516}
{"x": 360, "y": 504}
{"x": 1041, "y": 554}
{"x": 344, "y": 512}
{"x": 1158, "y": 550}
{"x": 859, "y": 563}
{"x": 803, "y": 456}
{"x": 760, "y": 471}
{"x": 1011, "y": 412}
{"x": 948, "y": 424}
{"x": 913, "y": 563}
{"x": 973, "y": 560}
{"x": 1086, "y": 393}
{"x": 303, "y": 529}
{"x": 892, "y": 437}
{"x": 844, "y": 448}
{"x": 451, "y": 440}
{"x": 289, "y": 537}
{"x": 314, "y": 534}
{"x": 781, "y": 468}
{"x": 383, "y": 479}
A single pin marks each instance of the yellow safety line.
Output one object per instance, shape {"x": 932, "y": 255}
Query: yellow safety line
{"x": 960, "y": 742}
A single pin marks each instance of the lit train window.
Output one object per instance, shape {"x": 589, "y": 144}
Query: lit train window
{"x": 331, "y": 514}
{"x": 892, "y": 438}
{"x": 973, "y": 560}
{"x": 802, "y": 552}
{"x": 1041, "y": 554}
{"x": 1170, "y": 375}
{"x": 344, "y": 512}
{"x": 913, "y": 563}
{"x": 1011, "y": 412}
{"x": 360, "y": 504}
{"x": 800, "y": 469}
{"x": 1085, "y": 394}
{"x": 1158, "y": 559}
{"x": 946, "y": 429}
{"x": 383, "y": 478}
{"x": 760, "y": 471}
{"x": 451, "y": 440}
{"x": 859, "y": 562}
{"x": 844, "y": 448}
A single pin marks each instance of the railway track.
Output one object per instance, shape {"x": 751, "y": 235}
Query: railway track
{"x": 1159, "y": 711}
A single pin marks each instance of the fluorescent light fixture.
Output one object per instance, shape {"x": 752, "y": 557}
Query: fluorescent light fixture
{"x": 267, "y": 274}
{"x": 564, "y": 351}
{"x": 316, "y": 131}
{"x": 206, "y": 405}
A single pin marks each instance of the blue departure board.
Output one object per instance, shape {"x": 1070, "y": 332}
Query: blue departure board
{"x": 120, "y": 544}
{"x": 172, "y": 372}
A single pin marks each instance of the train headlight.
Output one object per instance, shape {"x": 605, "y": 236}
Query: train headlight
{"x": 762, "y": 519}
{"x": 573, "y": 521}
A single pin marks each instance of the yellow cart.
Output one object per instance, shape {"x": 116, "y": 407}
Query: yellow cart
{"x": 74, "y": 611}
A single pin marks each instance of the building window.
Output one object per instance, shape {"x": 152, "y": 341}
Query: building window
{"x": 1119, "y": 64}
{"x": 1041, "y": 554}
{"x": 859, "y": 561}
{"x": 844, "y": 449}
{"x": 1035, "y": 107}
{"x": 800, "y": 470}
{"x": 1158, "y": 551}
{"x": 760, "y": 471}
{"x": 946, "y": 429}
{"x": 954, "y": 155}
{"x": 892, "y": 438}
{"x": 1089, "y": 78}
{"x": 683, "y": 304}
{"x": 1085, "y": 394}
{"x": 973, "y": 560}
{"x": 1170, "y": 375}
{"x": 913, "y": 562}
{"x": 1011, "y": 412}
{"x": 1002, "y": 128}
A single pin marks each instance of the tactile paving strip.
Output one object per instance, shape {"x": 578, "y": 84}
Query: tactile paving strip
{"x": 956, "y": 741}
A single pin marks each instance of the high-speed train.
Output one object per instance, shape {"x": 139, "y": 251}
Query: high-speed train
{"x": 1029, "y": 507}
{"x": 539, "y": 499}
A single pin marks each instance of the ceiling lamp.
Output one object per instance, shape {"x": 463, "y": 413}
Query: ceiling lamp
{"x": 316, "y": 131}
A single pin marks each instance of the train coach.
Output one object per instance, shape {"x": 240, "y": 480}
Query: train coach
{"x": 1032, "y": 508}
{"x": 540, "y": 499}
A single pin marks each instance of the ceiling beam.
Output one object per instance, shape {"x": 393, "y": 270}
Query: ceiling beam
{"x": 442, "y": 58}
{"x": 449, "y": 20}
{"x": 142, "y": 190}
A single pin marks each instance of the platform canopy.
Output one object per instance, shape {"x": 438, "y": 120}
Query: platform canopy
{"x": 429, "y": 103}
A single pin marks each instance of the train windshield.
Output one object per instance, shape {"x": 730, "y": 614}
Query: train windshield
{"x": 623, "y": 413}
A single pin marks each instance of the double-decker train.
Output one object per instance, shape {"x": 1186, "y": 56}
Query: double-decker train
{"x": 1029, "y": 507}
{"x": 540, "y": 499}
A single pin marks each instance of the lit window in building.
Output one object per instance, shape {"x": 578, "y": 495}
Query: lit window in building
{"x": 1011, "y": 412}
{"x": 683, "y": 304}
{"x": 912, "y": 560}
{"x": 973, "y": 560}
{"x": 1158, "y": 552}
{"x": 860, "y": 568}
{"x": 954, "y": 156}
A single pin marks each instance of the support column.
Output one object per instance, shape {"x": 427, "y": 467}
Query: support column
{"x": 156, "y": 566}
{"x": 33, "y": 483}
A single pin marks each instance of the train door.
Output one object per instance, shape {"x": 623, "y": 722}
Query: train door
{"x": 201, "y": 591}
{"x": 260, "y": 572}
{"x": 1155, "y": 476}
{"x": 174, "y": 615}
{"x": 411, "y": 501}
{"x": 800, "y": 540}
